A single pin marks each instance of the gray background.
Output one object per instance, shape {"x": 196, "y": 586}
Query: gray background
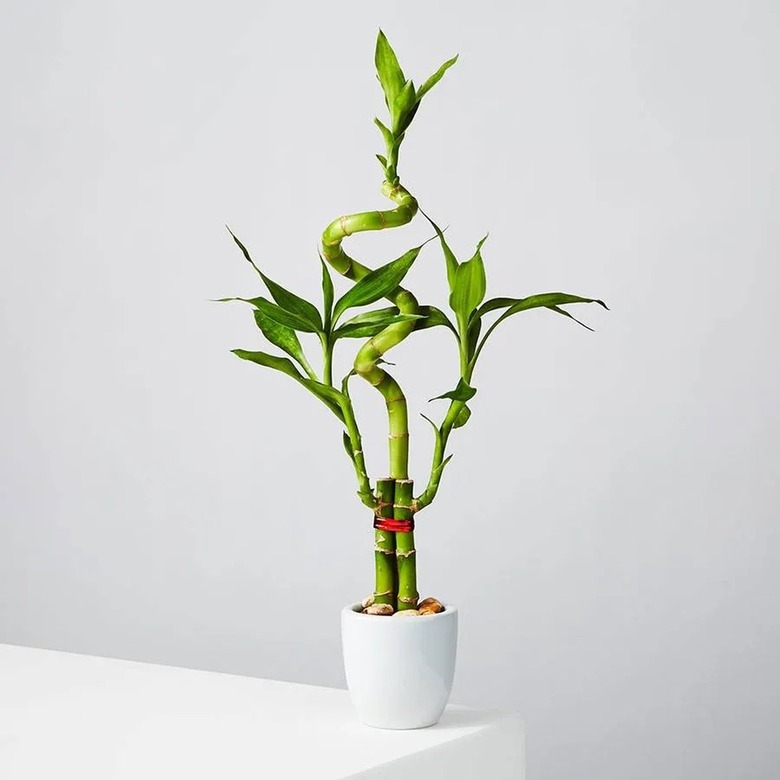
{"x": 608, "y": 525}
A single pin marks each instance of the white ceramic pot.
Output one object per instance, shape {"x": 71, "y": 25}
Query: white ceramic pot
{"x": 399, "y": 669}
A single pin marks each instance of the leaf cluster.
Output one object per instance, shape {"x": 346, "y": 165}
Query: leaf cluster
{"x": 287, "y": 314}
{"x": 467, "y": 282}
{"x": 402, "y": 100}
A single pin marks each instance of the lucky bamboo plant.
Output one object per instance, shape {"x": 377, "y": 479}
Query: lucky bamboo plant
{"x": 391, "y": 499}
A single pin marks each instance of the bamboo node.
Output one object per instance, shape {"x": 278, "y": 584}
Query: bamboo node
{"x": 410, "y": 600}
{"x": 398, "y": 435}
{"x": 383, "y": 551}
{"x": 343, "y": 226}
{"x": 405, "y": 553}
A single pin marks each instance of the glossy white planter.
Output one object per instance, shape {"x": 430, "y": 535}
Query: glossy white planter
{"x": 399, "y": 669}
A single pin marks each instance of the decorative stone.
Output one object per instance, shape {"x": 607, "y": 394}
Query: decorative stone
{"x": 430, "y": 606}
{"x": 405, "y": 612}
{"x": 368, "y": 601}
{"x": 379, "y": 609}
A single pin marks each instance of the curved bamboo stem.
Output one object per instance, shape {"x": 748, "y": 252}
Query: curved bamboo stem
{"x": 367, "y": 360}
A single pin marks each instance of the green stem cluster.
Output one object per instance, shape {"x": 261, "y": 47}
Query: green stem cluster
{"x": 367, "y": 363}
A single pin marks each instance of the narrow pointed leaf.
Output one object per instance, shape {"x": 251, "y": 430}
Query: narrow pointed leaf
{"x": 443, "y": 465}
{"x": 286, "y": 299}
{"x": 449, "y": 257}
{"x": 294, "y": 304}
{"x": 365, "y": 327}
{"x": 474, "y": 330}
{"x": 406, "y": 119}
{"x": 382, "y": 160}
{"x": 345, "y": 383}
{"x": 387, "y": 134}
{"x": 348, "y": 446}
{"x": 462, "y": 418}
{"x": 328, "y": 395}
{"x": 463, "y": 392}
{"x": 391, "y": 77}
{"x": 478, "y": 250}
{"x": 244, "y": 250}
{"x": 285, "y": 365}
{"x": 376, "y": 284}
{"x": 559, "y": 310}
{"x": 285, "y": 317}
{"x": 543, "y": 300}
{"x": 436, "y": 431}
{"x": 496, "y": 303}
{"x": 327, "y": 295}
{"x": 435, "y": 78}
{"x": 402, "y": 106}
{"x": 433, "y": 317}
{"x": 331, "y": 397}
{"x": 253, "y": 301}
{"x": 369, "y": 317}
{"x": 281, "y": 336}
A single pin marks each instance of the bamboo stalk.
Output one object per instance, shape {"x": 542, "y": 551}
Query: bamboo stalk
{"x": 437, "y": 466}
{"x": 356, "y": 448}
{"x": 385, "y": 589}
{"x": 406, "y": 556}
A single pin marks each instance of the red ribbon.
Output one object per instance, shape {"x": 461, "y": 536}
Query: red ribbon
{"x": 391, "y": 524}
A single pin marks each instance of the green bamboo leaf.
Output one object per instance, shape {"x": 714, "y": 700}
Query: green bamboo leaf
{"x": 387, "y": 134}
{"x": 462, "y": 418}
{"x": 463, "y": 392}
{"x": 285, "y": 365}
{"x": 436, "y": 431}
{"x": 328, "y": 395}
{"x": 543, "y": 300}
{"x": 294, "y": 304}
{"x": 496, "y": 303}
{"x": 441, "y": 467}
{"x": 565, "y": 313}
{"x": 372, "y": 322}
{"x": 382, "y": 161}
{"x": 435, "y": 78}
{"x": 327, "y": 295}
{"x": 286, "y": 299}
{"x": 391, "y": 77}
{"x": 376, "y": 284}
{"x": 331, "y": 397}
{"x": 348, "y": 446}
{"x": 345, "y": 383}
{"x": 285, "y": 317}
{"x": 433, "y": 317}
{"x": 475, "y": 327}
{"x": 469, "y": 288}
{"x": 449, "y": 256}
{"x": 370, "y": 317}
{"x": 283, "y": 337}
{"x": 253, "y": 301}
{"x": 406, "y": 119}
{"x": 402, "y": 108}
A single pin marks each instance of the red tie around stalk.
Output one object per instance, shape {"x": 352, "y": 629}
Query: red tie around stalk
{"x": 391, "y": 524}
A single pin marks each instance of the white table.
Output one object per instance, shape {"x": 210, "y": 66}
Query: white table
{"x": 64, "y": 715}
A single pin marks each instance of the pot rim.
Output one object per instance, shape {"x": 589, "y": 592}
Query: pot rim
{"x": 357, "y": 610}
